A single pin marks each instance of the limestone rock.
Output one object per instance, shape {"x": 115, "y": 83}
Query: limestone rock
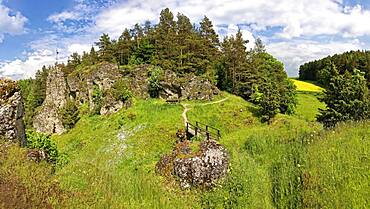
{"x": 104, "y": 78}
{"x": 47, "y": 118}
{"x": 138, "y": 80}
{"x": 202, "y": 169}
{"x": 11, "y": 112}
{"x": 189, "y": 87}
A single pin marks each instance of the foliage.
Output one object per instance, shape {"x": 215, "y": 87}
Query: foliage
{"x": 69, "y": 114}
{"x": 346, "y": 98}
{"x": 41, "y": 141}
{"x": 97, "y": 97}
{"x": 33, "y": 93}
{"x": 267, "y": 100}
{"x": 121, "y": 91}
{"x": 348, "y": 61}
{"x": 154, "y": 81}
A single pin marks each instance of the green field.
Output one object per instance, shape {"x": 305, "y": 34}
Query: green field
{"x": 291, "y": 163}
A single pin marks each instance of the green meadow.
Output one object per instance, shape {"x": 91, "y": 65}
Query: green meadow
{"x": 291, "y": 163}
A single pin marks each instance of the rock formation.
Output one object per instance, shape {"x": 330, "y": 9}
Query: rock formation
{"x": 47, "y": 119}
{"x": 203, "y": 168}
{"x": 92, "y": 85}
{"x": 102, "y": 77}
{"x": 11, "y": 113}
{"x": 188, "y": 87}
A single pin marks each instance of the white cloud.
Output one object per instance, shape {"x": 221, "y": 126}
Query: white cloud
{"x": 297, "y": 23}
{"x": 79, "y": 48}
{"x": 19, "y": 69}
{"x": 294, "y": 53}
{"x": 296, "y": 18}
{"x": 63, "y": 16}
{"x": 11, "y": 22}
{"x": 247, "y": 35}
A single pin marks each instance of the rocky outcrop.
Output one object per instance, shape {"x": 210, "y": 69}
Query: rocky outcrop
{"x": 203, "y": 168}
{"x": 47, "y": 119}
{"x": 11, "y": 112}
{"x": 101, "y": 77}
{"x": 188, "y": 87}
{"x": 138, "y": 80}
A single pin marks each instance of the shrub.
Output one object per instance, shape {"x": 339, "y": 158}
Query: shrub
{"x": 121, "y": 91}
{"x": 268, "y": 102}
{"x": 97, "y": 97}
{"x": 154, "y": 81}
{"x": 69, "y": 114}
{"x": 41, "y": 141}
{"x": 346, "y": 98}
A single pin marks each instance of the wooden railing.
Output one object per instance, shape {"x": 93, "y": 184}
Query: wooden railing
{"x": 201, "y": 129}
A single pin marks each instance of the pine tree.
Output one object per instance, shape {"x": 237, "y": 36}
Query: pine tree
{"x": 106, "y": 51}
{"x": 124, "y": 47}
{"x": 235, "y": 59}
{"x": 165, "y": 38}
{"x": 75, "y": 60}
{"x": 183, "y": 39}
{"x": 93, "y": 56}
{"x": 209, "y": 46}
{"x": 346, "y": 98}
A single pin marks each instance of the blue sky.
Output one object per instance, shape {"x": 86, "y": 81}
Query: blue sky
{"x": 293, "y": 31}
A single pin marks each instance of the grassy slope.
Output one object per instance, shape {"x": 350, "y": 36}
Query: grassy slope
{"x": 112, "y": 159}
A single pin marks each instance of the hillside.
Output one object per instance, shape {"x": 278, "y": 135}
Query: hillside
{"x": 109, "y": 128}
{"x": 112, "y": 159}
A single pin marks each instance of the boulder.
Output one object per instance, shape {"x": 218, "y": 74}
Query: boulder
{"x": 201, "y": 169}
{"x": 11, "y": 112}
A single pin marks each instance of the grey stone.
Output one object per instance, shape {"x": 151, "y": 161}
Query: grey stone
{"x": 47, "y": 119}
{"x": 11, "y": 113}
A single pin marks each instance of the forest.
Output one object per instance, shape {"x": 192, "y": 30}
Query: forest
{"x": 348, "y": 61}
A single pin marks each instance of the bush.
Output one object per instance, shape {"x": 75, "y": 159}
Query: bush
{"x": 346, "y": 98}
{"x": 69, "y": 114}
{"x": 268, "y": 102}
{"x": 154, "y": 81}
{"x": 120, "y": 90}
{"x": 97, "y": 99}
{"x": 41, "y": 141}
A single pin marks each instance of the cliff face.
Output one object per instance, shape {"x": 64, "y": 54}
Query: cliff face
{"x": 47, "y": 119}
{"x": 188, "y": 87}
{"x": 93, "y": 85}
{"x": 11, "y": 113}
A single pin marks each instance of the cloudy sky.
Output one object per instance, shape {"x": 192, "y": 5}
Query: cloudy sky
{"x": 294, "y": 31}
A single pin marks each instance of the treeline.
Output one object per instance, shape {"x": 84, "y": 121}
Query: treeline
{"x": 319, "y": 70}
{"x": 178, "y": 45}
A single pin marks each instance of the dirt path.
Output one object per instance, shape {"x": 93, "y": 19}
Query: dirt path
{"x": 187, "y": 108}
